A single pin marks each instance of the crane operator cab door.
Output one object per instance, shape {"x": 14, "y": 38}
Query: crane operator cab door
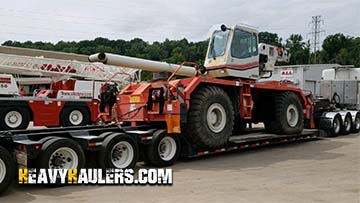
{"x": 233, "y": 52}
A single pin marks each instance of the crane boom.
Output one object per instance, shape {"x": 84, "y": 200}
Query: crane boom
{"x": 58, "y": 69}
{"x": 143, "y": 64}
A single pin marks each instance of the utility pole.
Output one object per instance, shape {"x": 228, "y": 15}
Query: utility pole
{"x": 315, "y": 32}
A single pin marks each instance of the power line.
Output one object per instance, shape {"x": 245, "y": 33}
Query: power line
{"x": 315, "y": 33}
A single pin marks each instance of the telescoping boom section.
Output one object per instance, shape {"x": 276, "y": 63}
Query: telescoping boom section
{"x": 137, "y": 63}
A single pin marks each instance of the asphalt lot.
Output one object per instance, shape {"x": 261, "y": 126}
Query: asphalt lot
{"x": 326, "y": 170}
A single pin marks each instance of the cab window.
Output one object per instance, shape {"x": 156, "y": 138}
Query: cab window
{"x": 244, "y": 44}
{"x": 218, "y": 43}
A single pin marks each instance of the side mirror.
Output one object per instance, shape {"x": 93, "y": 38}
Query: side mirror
{"x": 223, "y": 28}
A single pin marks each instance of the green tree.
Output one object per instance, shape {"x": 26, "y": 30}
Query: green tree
{"x": 269, "y": 38}
{"x": 337, "y": 48}
{"x": 299, "y": 50}
{"x": 341, "y": 49}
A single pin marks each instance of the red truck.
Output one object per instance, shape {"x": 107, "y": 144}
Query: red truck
{"x": 51, "y": 92}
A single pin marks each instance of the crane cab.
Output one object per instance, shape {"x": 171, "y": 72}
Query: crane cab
{"x": 233, "y": 52}
{"x": 8, "y": 85}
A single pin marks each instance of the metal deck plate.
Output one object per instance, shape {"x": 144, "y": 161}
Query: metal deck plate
{"x": 258, "y": 135}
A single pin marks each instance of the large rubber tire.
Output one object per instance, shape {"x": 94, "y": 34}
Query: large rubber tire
{"x": 14, "y": 118}
{"x": 288, "y": 117}
{"x": 346, "y": 125}
{"x": 215, "y": 102}
{"x": 65, "y": 149}
{"x": 356, "y": 124}
{"x": 164, "y": 149}
{"x": 336, "y": 126}
{"x": 120, "y": 151}
{"x": 75, "y": 116}
{"x": 7, "y": 169}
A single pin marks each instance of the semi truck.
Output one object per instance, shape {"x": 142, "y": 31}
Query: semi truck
{"x": 204, "y": 111}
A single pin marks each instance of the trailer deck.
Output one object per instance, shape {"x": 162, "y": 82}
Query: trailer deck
{"x": 28, "y": 142}
{"x": 259, "y": 135}
{"x": 256, "y": 137}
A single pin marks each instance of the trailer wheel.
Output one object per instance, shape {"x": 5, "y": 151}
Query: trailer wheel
{"x": 336, "y": 126}
{"x": 164, "y": 149}
{"x": 14, "y": 118}
{"x": 211, "y": 117}
{"x": 120, "y": 151}
{"x": 346, "y": 126}
{"x": 7, "y": 169}
{"x": 356, "y": 124}
{"x": 75, "y": 116}
{"x": 288, "y": 117}
{"x": 61, "y": 153}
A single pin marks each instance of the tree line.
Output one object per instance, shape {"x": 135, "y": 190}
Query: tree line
{"x": 336, "y": 48}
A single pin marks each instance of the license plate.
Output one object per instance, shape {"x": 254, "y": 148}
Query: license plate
{"x": 21, "y": 158}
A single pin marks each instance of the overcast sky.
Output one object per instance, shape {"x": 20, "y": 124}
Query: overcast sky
{"x": 156, "y": 20}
